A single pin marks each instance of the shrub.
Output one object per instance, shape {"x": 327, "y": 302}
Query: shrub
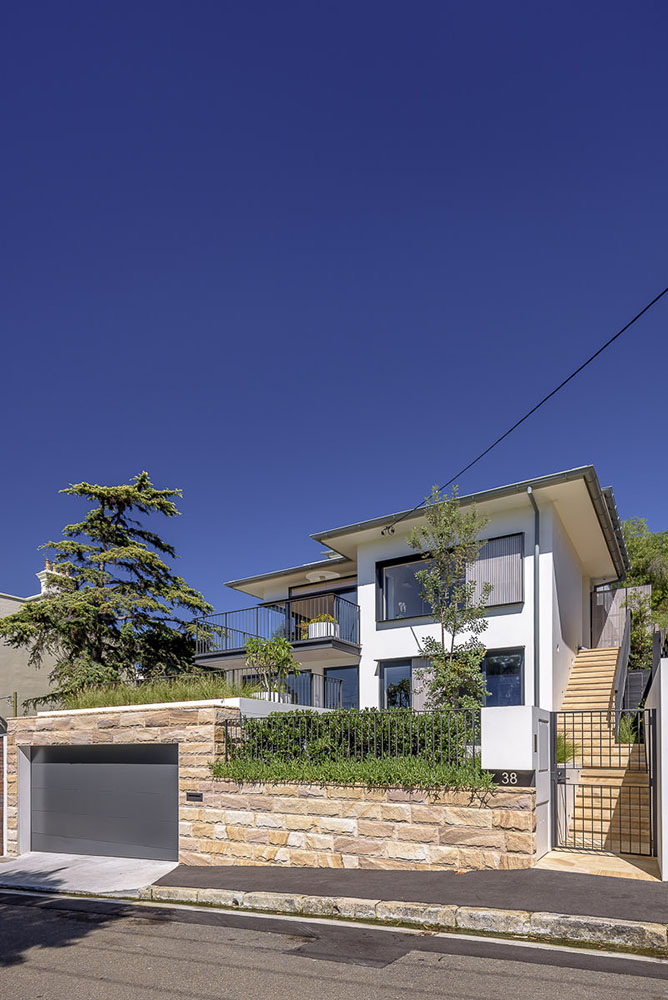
{"x": 181, "y": 688}
{"x": 628, "y": 729}
{"x": 566, "y": 751}
{"x": 444, "y": 737}
{"x": 373, "y": 772}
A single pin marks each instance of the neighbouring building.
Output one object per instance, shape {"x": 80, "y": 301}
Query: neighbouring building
{"x": 16, "y": 674}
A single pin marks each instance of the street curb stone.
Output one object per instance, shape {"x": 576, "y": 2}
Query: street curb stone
{"x": 524, "y": 923}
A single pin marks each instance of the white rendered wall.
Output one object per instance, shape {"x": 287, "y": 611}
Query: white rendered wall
{"x": 567, "y": 616}
{"x": 508, "y": 626}
{"x": 564, "y": 606}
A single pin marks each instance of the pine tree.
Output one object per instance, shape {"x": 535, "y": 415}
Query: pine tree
{"x": 113, "y": 610}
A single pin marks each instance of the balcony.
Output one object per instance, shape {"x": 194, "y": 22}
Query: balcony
{"x": 324, "y": 630}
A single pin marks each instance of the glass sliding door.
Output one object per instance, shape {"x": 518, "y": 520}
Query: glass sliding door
{"x": 349, "y": 677}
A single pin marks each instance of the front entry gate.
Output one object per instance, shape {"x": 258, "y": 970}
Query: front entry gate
{"x": 604, "y": 781}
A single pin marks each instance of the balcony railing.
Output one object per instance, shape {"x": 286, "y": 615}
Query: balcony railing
{"x": 302, "y": 688}
{"x": 300, "y": 619}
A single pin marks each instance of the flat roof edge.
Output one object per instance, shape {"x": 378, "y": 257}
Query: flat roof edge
{"x": 318, "y": 564}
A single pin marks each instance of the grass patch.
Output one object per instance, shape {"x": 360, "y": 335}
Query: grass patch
{"x": 187, "y": 688}
{"x": 374, "y": 772}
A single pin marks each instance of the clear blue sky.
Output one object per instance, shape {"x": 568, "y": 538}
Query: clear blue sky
{"x": 303, "y": 260}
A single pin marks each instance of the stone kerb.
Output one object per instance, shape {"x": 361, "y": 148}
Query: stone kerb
{"x": 199, "y": 732}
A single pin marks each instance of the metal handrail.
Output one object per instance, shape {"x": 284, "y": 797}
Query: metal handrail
{"x": 621, "y": 673}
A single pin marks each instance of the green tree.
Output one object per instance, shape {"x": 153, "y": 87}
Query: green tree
{"x": 449, "y": 542}
{"x": 113, "y": 610}
{"x": 272, "y": 660}
{"x": 640, "y": 654}
{"x": 648, "y": 552}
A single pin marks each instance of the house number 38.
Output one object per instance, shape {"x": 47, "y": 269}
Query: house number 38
{"x": 509, "y": 778}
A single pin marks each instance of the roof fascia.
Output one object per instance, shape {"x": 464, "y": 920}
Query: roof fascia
{"x": 602, "y": 501}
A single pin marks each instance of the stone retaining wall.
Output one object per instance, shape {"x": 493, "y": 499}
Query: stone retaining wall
{"x": 291, "y": 824}
{"x": 355, "y": 827}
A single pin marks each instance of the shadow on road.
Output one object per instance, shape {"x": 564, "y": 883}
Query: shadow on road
{"x": 33, "y": 921}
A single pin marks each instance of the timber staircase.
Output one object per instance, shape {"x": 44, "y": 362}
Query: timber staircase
{"x": 607, "y": 805}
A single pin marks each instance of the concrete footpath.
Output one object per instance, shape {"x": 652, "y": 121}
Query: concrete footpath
{"x": 530, "y": 903}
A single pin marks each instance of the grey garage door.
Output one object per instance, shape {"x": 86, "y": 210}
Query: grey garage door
{"x": 115, "y": 801}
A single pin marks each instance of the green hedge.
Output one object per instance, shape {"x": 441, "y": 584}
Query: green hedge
{"x": 373, "y": 772}
{"x": 440, "y": 737}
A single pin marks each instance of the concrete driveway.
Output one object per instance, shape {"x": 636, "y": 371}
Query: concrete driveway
{"x": 81, "y": 873}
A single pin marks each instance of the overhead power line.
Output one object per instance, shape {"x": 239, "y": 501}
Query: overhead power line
{"x": 390, "y": 527}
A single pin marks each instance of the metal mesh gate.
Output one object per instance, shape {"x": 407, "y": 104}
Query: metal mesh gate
{"x": 603, "y": 781}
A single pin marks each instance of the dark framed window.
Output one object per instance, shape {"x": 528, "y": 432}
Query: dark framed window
{"x": 349, "y": 676}
{"x": 399, "y": 594}
{"x": 504, "y": 675}
{"x": 396, "y": 683}
{"x": 499, "y": 563}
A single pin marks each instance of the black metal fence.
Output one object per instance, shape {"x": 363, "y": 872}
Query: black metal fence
{"x": 299, "y": 619}
{"x": 442, "y": 737}
{"x": 604, "y": 774}
{"x": 602, "y": 739}
{"x": 595, "y": 817}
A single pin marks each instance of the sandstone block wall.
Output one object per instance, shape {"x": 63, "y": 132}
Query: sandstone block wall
{"x": 355, "y": 827}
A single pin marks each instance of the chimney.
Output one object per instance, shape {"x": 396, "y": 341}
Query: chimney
{"x": 43, "y": 577}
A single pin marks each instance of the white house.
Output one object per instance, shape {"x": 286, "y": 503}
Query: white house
{"x": 356, "y": 617}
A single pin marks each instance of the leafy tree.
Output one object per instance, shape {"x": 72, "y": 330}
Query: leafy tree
{"x": 648, "y": 552}
{"x": 113, "y": 609}
{"x": 640, "y": 654}
{"x": 272, "y": 660}
{"x": 449, "y": 543}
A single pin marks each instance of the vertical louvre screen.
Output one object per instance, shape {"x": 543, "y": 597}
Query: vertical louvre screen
{"x": 500, "y": 563}
{"x": 419, "y": 693}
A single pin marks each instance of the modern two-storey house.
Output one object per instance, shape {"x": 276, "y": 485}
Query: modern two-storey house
{"x": 356, "y": 617}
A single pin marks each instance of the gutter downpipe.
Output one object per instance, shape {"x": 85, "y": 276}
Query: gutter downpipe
{"x": 536, "y": 595}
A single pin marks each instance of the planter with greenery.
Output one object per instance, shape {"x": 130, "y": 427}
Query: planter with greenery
{"x": 372, "y": 772}
{"x": 319, "y": 627}
{"x": 185, "y": 687}
{"x": 373, "y": 747}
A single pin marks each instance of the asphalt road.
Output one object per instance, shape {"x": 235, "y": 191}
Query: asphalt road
{"x": 51, "y": 948}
